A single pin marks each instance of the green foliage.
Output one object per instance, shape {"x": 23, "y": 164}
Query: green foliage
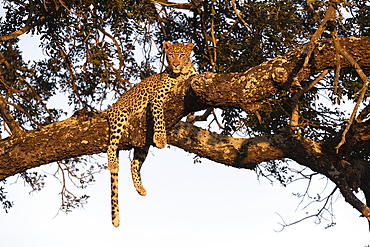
{"x": 91, "y": 49}
{"x": 90, "y": 45}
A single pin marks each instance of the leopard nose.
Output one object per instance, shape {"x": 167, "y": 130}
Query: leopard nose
{"x": 176, "y": 64}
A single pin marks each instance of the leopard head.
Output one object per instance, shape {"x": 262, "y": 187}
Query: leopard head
{"x": 178, "y": 57}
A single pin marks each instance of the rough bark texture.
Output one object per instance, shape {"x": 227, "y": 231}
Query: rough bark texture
{"x": 87, "y": 133}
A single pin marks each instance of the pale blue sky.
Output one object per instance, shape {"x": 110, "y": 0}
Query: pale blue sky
{"x": 205, "y": 204}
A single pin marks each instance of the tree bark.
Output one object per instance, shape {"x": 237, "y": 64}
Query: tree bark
{"x": 87, "y": 133}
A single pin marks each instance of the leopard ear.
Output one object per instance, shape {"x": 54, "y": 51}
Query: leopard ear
{"x": 166, "y": 45}
{"x": 189, "y": 47}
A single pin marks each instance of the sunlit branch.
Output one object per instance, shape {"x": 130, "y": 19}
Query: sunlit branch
{"x": 161, "y": 24}
{"x": 192, "y": 118}
{"x": 173, "y": 5}
{"x": 205, "y": 35}
{"x": 295, "y": 111}
{"x": 307, "y": 52}
{"x": 344, "y": 53}
{"x": 26, "y": 28}
{"x": 213, "y": 41}
{"x": 239, "y": 15}
{"x": 9, "y": 119}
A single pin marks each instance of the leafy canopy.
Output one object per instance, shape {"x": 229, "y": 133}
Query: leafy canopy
{"x": 91, "y": 49}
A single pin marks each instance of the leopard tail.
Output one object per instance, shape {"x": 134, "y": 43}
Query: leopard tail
{"x": 114, "y": 197}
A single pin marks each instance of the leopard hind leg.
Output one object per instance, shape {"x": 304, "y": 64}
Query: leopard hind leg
{"x": 136, "y": 164}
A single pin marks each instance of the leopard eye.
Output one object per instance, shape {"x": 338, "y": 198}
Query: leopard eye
{"x": 182, "y": 55}
{"x": 170, "y": 55}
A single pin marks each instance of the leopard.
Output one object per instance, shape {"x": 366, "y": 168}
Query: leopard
{"x": 151, "y": 94}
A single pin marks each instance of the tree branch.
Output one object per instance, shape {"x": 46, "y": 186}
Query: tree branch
{"x": 173, "y": 5}
{"x": 26, "y": 28}
{"x": 295, "y": 111}
{"x": 309, "y": 48}
{"x": 87, "y": 133}
{"x": 244, "y": 90}
{"x": 363, "y": 77}
{"x": 8, "y": 118}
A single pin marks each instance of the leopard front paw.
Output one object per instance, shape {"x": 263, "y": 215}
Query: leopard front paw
{"x": 140, "y": 189}
{"x": 160, "y": 140}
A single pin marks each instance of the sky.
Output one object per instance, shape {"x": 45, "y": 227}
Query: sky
{"x": 187, "y": 204}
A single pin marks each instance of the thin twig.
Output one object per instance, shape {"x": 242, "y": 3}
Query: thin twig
{"x": 28, "y": 85}
{"x": 295, "y": 111}
{"x": 337, "y": 71}
{"x": 239, "y": 15}
{"x": 119, "y": 54}
{"x": 307, "y": 51}
{"x": 9, "y": 119}
{"x": 214, "y": 41}
{"x": 317, "y": 215}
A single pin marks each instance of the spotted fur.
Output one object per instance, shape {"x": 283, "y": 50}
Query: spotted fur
{"x": 153, "y": 91}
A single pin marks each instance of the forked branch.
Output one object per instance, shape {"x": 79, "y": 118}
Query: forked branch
{"x": 339, "y": 49}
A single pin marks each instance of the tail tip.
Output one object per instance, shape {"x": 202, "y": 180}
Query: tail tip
{"x": 115, "y": 222}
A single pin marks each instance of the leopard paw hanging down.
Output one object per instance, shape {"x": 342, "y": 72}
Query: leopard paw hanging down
{"x": 152, "y": 90}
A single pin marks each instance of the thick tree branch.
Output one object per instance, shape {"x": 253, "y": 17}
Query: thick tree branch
{"x": 87, "y": 133}
{"x": 244, "y": 90}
